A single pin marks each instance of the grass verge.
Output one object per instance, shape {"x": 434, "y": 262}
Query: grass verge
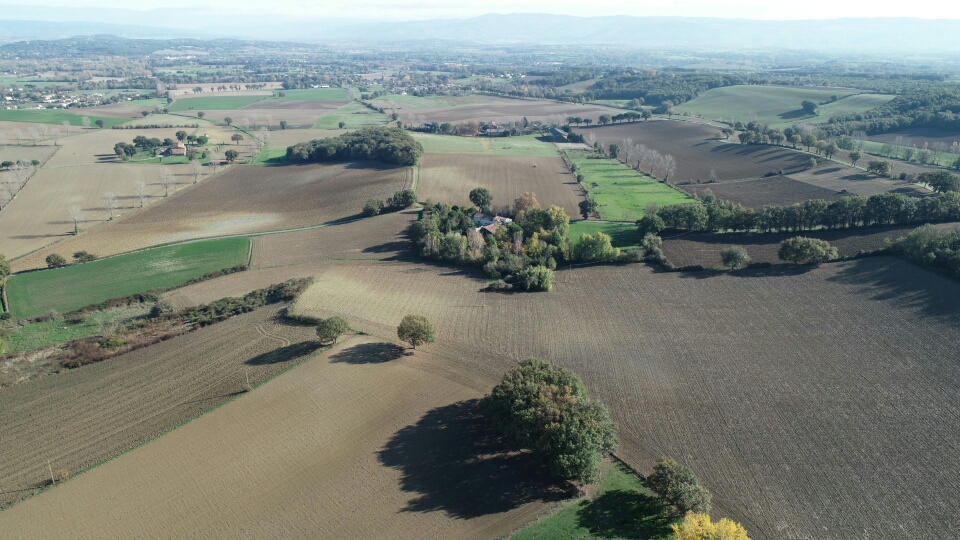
{"x": 622, "y": 235}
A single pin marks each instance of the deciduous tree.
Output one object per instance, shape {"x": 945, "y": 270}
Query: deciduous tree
{"x": 55, "y": 260}
{"x": 416, "y": 330}
{"x": 698, "y": 526}
{"x": 734, "y": 257}
{"x": 679, "y": 487}
{"x": 331, "y": 329}
{"x": 481, "y": 197}
{"x": 802, "y": 250}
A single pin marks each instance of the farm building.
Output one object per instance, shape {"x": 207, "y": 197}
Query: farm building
{"x": 558, "y": 135}
{"x": 482, "y": 220}
{"x": 489, "y": 230}
{"x": 179, "y": 150}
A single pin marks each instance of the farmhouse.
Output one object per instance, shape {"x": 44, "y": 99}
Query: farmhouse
{"x": 178, "y": 150}
{"x": 482, "y": 220}
{"x": 489, "y": 230}
{"x": 558, "y": 135}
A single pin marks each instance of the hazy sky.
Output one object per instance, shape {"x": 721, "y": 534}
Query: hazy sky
{"x": 433, "y": 9}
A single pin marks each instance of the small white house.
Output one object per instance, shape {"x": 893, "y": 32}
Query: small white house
{"x": 482, "y": 220}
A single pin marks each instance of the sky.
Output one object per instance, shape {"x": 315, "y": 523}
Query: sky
{"x": 442, "y": 9}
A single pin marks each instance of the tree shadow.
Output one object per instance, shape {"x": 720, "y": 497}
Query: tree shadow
{"x": 794, "y": 114}
{"x": 452, "y": 463}
{"x": 389, "y": 247}
{"x": 369, "y": 353}
{"x": 619, "y": 513}
{"x": 284, "y": 354}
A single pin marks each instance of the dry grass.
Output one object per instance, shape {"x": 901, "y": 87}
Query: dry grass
{"x": 450, "y": 177}
{"x": 364, "y": 443}
{"x": 243, "y": 199}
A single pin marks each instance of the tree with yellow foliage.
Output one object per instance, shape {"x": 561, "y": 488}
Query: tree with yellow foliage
{"x": 697, "y": 526}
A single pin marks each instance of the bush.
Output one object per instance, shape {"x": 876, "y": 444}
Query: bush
{"x": 331, "y": 329}
{"x": 84, "y": 257}
{"x": 372, "y": 208}
{"x": 498, "y": 285}
{"x": 802, "y": 250}
{"x": 698, "y": 526}
{"x": 679, "y": 487}
{"x": 546, "y": 409}
{"x": 535, "y": 278}
{"x": 51, "y": 315}
{"x": 595, "y": 248}
{"x": 734, "y": 257}
{"x": 403, "y": 198}
{"x": 55, "y": 261}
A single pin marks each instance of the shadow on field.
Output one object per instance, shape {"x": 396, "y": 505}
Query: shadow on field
{"x": 283, "y": 354}
{"x": 619, "y": 513}
{"x": 389, "y": 247}
{"x": 369, "y": 353}
{"x": 452, "y": 463}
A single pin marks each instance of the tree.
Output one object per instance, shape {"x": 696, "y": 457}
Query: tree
{"x": 331, "y": 329}
{"x": 200, "y": 114}
{"x": 372, "y": 208}
{"x": 526, "y": 201}
{"x": 830, "y": 149}
{"x": 879, "y": 167}
{"x": 166, "y": 179}
{"x": 140, "y": 189}
{"x": 855, "y": 157}
{"x": 734, "y": 257}
{"x": 546, "y": 409}
{"x": 110, "y": 201}
{"x": 802, "y": 250}
{"x": 587, "y": 207}
{"x": 84, "y": 257}
{"x": 197, "y": 168}
{"x": 594, "y": 247}
{"x": 99, "y": 124}
{"x": 181, "y": 135}
{"x": 669, "y": 166}
{"x": 416, "y": 330}
{"x": 231, "y": 155}
{"x": 604, "y": 119}
{"x": 236, "y": 137}
{"x": 812, "y": 163}
{"x": 481, "y": 197}
{"x": 403, "y": 198}
{"x": 679, "y": 487}
{"x": 76, "y": 216}
{"x": 536, "y": 278}
{"x": 809, "y": 140}
{"x": 810, "y": 107}
{"x": 615, "y": 151}
{"x": 698, "y": 526}
{"x": 341, "y": 124}
{"x": 941, "y": 181}
{"x": 4, "y": 268}
{"x": 55, "y": 261}
{"x": 227, "y": 120}
{"x": 283, "y": 124}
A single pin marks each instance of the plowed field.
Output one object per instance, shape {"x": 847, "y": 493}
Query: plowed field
{"x": 697, "y": 151}
{"x": 856, "y": 182}
{"x": 450, "y": 177}
{"x": 777, "y": 190}
{"x": 363, "y": 443}
{"x": 486, "y": 108}
{"x": 240, "y": 200}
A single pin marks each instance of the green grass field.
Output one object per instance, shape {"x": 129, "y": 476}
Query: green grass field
{"x": 55, "y": 116}
{"x": 410, "y": 102}
{"x": 270, "y": 155}
{"x": 777, "y": 106}
{"x": 527, "y": 145}
{"x": 75, "y": 286}
{"x": 213, "y": 103}
{"x": 312, "y": 94}
{"x": 622, "y": 508}
{"x": 622, "y": 235}
{"x": 621, "y": 192}
{"x": 36, "y": 335}
{"x": 354, "y": 115}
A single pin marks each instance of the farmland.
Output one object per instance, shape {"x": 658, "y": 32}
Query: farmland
{"x": 777, "y": 190}
{"x": 450, "y": 177}
{"x": 353, "y": 115}
{"x": 524, "y": 146}
{"x": 362, "y": 464}
{"x": 704, "y": 249}
{"x": 697, "y": 152}
{"x": 622, "y": 235}
{"x": 75, "y": 286}
{"x": 240, "y": 200}
{"x": 219, "y": 103}
{"x": 82, "y": 417}
{"x": 622, "y": 193}
{"x": 487, "y": 108}
{"x": 52, "y": 116}
{"x": 838, "y": 178}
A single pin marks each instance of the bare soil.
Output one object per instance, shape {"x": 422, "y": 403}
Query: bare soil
{"x": 850, "y": 181}
{"x": 776, "y": 190}
{"x": 501, "y": 110}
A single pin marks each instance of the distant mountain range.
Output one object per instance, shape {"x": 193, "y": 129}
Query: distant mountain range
{"x": 862, "y": 35}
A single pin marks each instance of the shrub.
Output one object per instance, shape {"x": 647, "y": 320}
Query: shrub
{"x": 698, "y": 526}
{"x": 372, "y": 208}
{"x": 535, "y": 278}
{"x": 55, "y": 261}
{"x": 84, "y": 257}
{"x": 679, "y": 487}
{"x": 51, "y": 315}
{"x": 498, "y": 285}
{"x": 734, "y": 257}
{"x": 403, "y": 198}
{"x": 802, "y": 250}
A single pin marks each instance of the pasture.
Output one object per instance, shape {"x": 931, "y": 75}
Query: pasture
{"x": 622, "y": 193}
{"x": 75, "y": 286}
{"x": 54, "y": 116}
{"x": 450, "y": 177}
{"x": 224, "y": 102}
{"x": 697, "y": 151}
{"x": 523, "y": 146}
{"x": 775, "y": 106}
{"x": 83, "y": 417}
{"x": 314, "y": 453}
{"x": 776, "y": 190}
{"x": 240, "y": 200}
{"x": 622, "y": 235}
{"x": 353, "y": 115}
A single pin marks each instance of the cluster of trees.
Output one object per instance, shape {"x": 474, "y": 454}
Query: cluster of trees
{"x": 639, "y": 157}
{"x": 664, "y": 85}
{"x": 699, "y": 526}
{"x": 546, "y": 409}
{"x": 902, "y": 148}
{"x": 931, "y": 247}
{"x": 802, "y": 250}
{"x": 929, "y": 106}
{"x": 150, "y": 145}
{"x": 401, "y": 199}
{"x": 629, "y": 116}
{"x": 848, "y": 212}
{"x": 386, "y": 145}
{"x": 55, "y": 260}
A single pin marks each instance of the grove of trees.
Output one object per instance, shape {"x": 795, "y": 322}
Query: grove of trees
{"x": 802, "y": 250}
{"x": 386, "y": 145}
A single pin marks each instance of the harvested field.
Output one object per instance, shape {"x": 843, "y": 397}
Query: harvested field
{"x": 837, "y": 178}
{"x": 81, "y": 417}
{"x": 354, "y": 115}
{"x": 288, "y": 137}
{"x": 697, "y": 151}
{"x": 38, "y": 216}
{"x": 378, "y": 237}
{"x": 26, "y": 153}
{"x": 777, "y": 190}
{"x": 450, "y": 177}
{"x": 487, "y": 108}
{"x": 704, "y": 249}
{"x": 315, "y": 453}
{"x": 240, "y": 200}
{"x": 522, "y": 146}
{"x": 120, "y": 110}
{"x": 796, "y": 393}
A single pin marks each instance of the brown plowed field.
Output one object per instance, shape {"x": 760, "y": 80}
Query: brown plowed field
{"x": 697, "y": 151}
{"x": 797, "y": 394}
{"x": 378, "y": 237}
{"x": 240, "y": 200}
{"x": 82, "y": 417}
{"x": 856, "y": 182}
{"x": 777, "y": 190}
{"x": 704, "y": 249}
{"x": 366, "y": 442}
{"x": 450, "y": 177}
{"x": 501, "y": 110}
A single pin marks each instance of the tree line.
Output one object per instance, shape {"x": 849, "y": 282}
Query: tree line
{"x": 385, "y": 145}
{"x": 717, "y": 215}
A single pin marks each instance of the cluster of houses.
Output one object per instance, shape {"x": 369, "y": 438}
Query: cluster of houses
{"x": 488, "y": 225}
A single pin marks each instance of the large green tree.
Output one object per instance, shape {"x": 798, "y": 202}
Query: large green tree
{"x": 941, "y": 181}
{"x": 331, "y": 329}
{"x": 416, "y": 330}
{"x": 546, "y": 409}
{"x": 4, "y": 268}
{"x": 802, "y": 250}
{"x": 679, "y": 487}
{"x": 481, "y": 197}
